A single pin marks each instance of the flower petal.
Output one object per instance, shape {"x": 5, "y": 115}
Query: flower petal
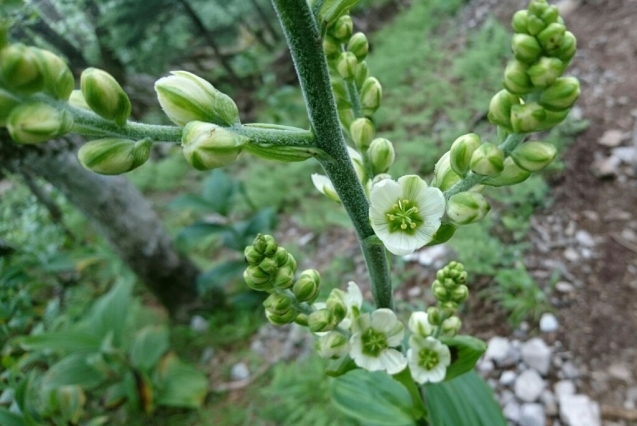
{"x": 392, "y": 361}
{"x": 411, "y": 187}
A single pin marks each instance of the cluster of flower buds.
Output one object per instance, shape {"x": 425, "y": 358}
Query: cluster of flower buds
{"x": 450, "y": 290}
{"x": 536, "y": 96}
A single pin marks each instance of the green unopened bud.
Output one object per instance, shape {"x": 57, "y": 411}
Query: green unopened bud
{"x": 346, "y": 65}
{"x": 511, "y": 175}
{"x": 534, "y": 156}
{"x": 461, "y": 152}
{"x": 58, "y": 78}
{"x": 371, "y": 94}
{"x": 359, "y": 46}
{"x": 321, "y": 320}
{"x": 553, "y": 118}
{"x": 444, "y": 176}
{"x": 342, "y": 28}
{"x": 207, "y": 146}
{"x": 551, "y": 37}
{"x": 362, "y": 73}
{"x": 527, "y": 118}
{"x": 280, "y": 257}
{"x": 487, "y": 160}
{"x": 451, "y": 326}
{"x": 516, "y": 80}
{"x": 332, "y": 345}
{"x": 278, "y": 303}
{"x": 537, "y": 7}
{"x": 77, "y": 100}
{"x": 269, "y": 265}
{"x": 567, "y": 48}
{"x": 37, "y": 122}
{"x": 8, "y": 103}
{"x": 439, "y": 291}
{"x": 560, "y": 95}
{"x": 341, "y": 95}
{"x": 257, "y": 279}
{"x": 381, "y": 155}
{"x": 105, "y": 96}
{"x": 306, "y": 288}
{"x": 534, "y": 24}
{"x": 325, "y": 186}
{"x": 500, "y": 108}
{"x": 346, "y": 117}
{"x": 545, "y": 71}
{"x": 331, "y": 10}
{"x": 252, "y": 256}
{"x": 285, "y": 276}
{"x": 551, "y": 14}
{"x": 286, "y": 318}
{"x": 449, "y": 308}
{"x": 336, "y": 304}
{"x": 301, "y": 319}
{"x": 362, "y": 132}
{"x": 433, "y": 315}
{"x": 331, "y": 47}
{"x": 460, "y": 293}
{"x": 467, "y": 207}
{"x": 519, "y": 22}
{"x": 114, "y": 156}
{"x": 379, "y": 177}
{"x": 525, "y": 48}
{"x": 185, "y": 97}
{"x": 20, "y": 69}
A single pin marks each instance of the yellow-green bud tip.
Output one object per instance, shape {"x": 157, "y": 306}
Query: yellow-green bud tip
{"x": 105, "y": 96}
{"x": 207, "y": 146}
{"x": 114, "y": 156}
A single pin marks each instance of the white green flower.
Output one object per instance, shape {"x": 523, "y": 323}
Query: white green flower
{"x": 354, "y": 300}
{"x": 325, "y": 186}
{"x": 375, "y": 336}
{"x": 419, "y": 324}
{"x": 332, "y": 344}
{"x": 405, "y": 214}
{"x": 428, "y": 359}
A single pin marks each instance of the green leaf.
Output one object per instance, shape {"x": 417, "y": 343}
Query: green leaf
{"x": 109, "y": 312}
{"x": 219, "y": 190}
{"x": 69, "y": 341}
{"x": 149, "y": 345}
{"x": 191, "y": 202}
{"x": 465, "y": 353}
{"x": 199, "y": 230}
{"x": 365, "y": 395}
{"x": 262, "y": 222}
{"x": 338, "y": 367}
{"x": 220, "y": 275}
{"x": 444, "y": 234}
{"x": 180, "y": 384}
{"x": 331, "y": 10}
{"x": 73, "y": 370}
{"x": 467, "y": 400}
{"x": 7, "y": 418}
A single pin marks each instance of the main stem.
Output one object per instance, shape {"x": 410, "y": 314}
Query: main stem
{"x": 304, "y": 40}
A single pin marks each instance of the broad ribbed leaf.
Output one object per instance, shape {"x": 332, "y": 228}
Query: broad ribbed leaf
{"x": 71, "y": 341}
{"x": 465, "y": 353}
{"x": 219, "y": 190}
{"x": 72, "y": 370}
{"x": 180, "y": 385}
{"x": 191, "y": 202}
{"x": 7, "y": 418}
{"x": 199, "y": 230}
{"x": 149, "y": 345}
{"x": 109, "y": 312}
{"x": 220, "y": 275}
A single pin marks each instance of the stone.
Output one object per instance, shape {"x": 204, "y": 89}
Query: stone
{"x": 505, "y": 397}
{"x": 564, "y": 287}
{"x": 571, "y": 254}
{"x": 584, "y": 238}
{"x": 621, "y": 372}
{"x": 607, "y": 167}
{"x": 629, "y": 235}
{"x": 508, "y": 378}
{"x": 548, "y": 323}
{"x": 547, "y": 398}
{"x": 239, "y": 371}
{"x": 485, "y": 366}
{"x": 529, "y": 385}
{"x": 569, "y": 371}
{"x": 579, "y": 410}
{"x": 536, "y": 354}
{"x": 531, "y": 415}
{"x": 511, "y": 411}
{"x": 626, "y": 154}
{"x": 199, "y": 324}
{"x": 501, "y": 352}
{"x": 207, "y": 355}
{"x": 611, "y": 138}
{"x": 564, "y": 388}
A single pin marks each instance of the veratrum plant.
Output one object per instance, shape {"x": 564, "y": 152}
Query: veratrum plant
{"x": 391, "y": 373}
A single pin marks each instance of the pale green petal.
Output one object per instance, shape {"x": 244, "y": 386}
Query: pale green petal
{"x": 392, "y": 361}
{"x": 411, "y": 187}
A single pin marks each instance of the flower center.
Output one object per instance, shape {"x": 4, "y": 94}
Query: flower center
{"x": 428, "y": 359}
{"x": 403, "y": 217}
{"x": 373, "y": 342}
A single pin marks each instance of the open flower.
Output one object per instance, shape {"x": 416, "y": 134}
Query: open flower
{"x": 419, "y": 324}
{"x": 353, "y": 300}
{"x": 405, "y": 214}
{"x": 428, "y": 359}
{"x": 375, "y": 336}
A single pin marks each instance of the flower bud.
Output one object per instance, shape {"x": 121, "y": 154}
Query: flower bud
{"x": 362, "y": 72}
{"x": 511, "y": 175}
{"x": 567, "y": 48}
{"x": 306, "y": 288}
{"x": 336, "y": 304}
{"x": 439, "y": 291}
{"x": 500, "y": 108}
{"x": 362, "y": 132}
{"x": 286, "y": 318}
{"x": 534, "y": 156}
{"x": 357, "y": 163}
{"x": 105, "y": 96}
{"x": 252, "y": 256}
{"x": 537, "y": 7}
{"x": 371, "y": 94}
{"x": 331, "y": 10}
{"x": 257, "y": 279}
{"x": 281, "y": 257}
{"x": 525, "y": 48}
{"x": 208, "y": 146}
{"x": 346, "y": 117}
{"x": 114, "y": 156}
{"x": 551, "y": 14}
{"x": 451, "y": 326}
{"x": 321, "y": 320}
{"x": 433, "y": 315}
{"x": 185, "y": 97}
{"x": 519, "y": 22}
{"x": 419, "y": 324}
{"x": 467, "y": 207}
{"x": 444, "y": 176}
{"x": 551, "y": 37}
{"x": 285, "y": 276}
{"x": 8, "y": 103}
{"x": 269, "y": 265}
{"x": 461, "y": 152}
{"x": 278, "y": 303}
{"x": 359, "y": 46}
{"x": 58, "y": 78}
{"x": 20, "y": 69}
{"x": 77, "y": 100}
{"x": 342, "y": 28}
{"x": 527, "y": 118}
{"x": 545, "y": 71}
{"x": 346, "y": 65}
{"x": 301, "y": 319}
{"x": 560, "y": 95}
{"x": 460, "y": 293}
{"x": 516, "y": 80}
{"x": 331, "y": 47}
{"x": 332, "y": 345}
{"x": 325, "y": 186}
{"x": 37, "y": 122}
{"x": 449, "y": 308}
{"x": 487, "y": 160}
{"x": 381, "y": 155}
{"x": 341, "y": 95}
{"x": 534, "y": 24}
{"x": 553, "y": 118}
{"x": 379, "y": 177}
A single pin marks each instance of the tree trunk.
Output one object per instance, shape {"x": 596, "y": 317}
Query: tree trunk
{"x": 121, "y": 214}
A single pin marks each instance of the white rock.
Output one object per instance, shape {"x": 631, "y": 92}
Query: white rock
{"x": 585, "y": 238}
{"x": 511, "y": 411}
{"x": 564, "y": 388}
{"x": 500, "y": 351}
{"x": 626, "y": 154}
{"x": 621, "y": 371}
{"x": 569, "y": 371}
{"x": 508, "y": 378}
{"x": 548, "y": 323}
{"x": 529, "y": 385}
{"x": 199, "y": 324}
{"x": 605, "y": 167}
{"x": 550, "y": 403}
{"x": 531, "y": 415}
{"x": 239, "y": 371}
{"x": 579, "y": 410}
{"x": 537, "y": 355}
{"x": 564, "y": 287}
{"x": 485, "y": 366}
{"x": 505, "y": 397}
{"x": 611, "y": 138}
{"x": 571, "y": 254}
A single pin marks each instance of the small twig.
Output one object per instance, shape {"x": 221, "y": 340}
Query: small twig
{"x": 622, "y": 242}
{"x": 618, "y": 413}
